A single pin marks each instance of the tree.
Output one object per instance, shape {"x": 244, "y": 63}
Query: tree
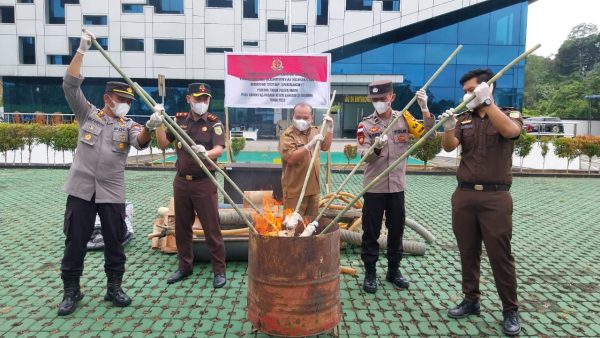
{"x": 350, "y": 152}
{"x": 31, "y": 136}
{"x": 580, "y": 52}
{"x": 5, "y": 140}
{"x": 589, "y": 146}
{"x": 545, "y": 147}
{"x": 65, "y": 138}
{"x": 46, "y": 136}
{"x": 523, "y": 146}
{"x": 565, "y": 147}
{"x": 237, "y": 145}
{"x": 428, "y": 149}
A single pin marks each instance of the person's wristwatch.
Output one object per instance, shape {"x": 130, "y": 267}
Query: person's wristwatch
{"x": 487, "y": 102}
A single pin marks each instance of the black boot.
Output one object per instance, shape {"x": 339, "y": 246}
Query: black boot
{"x": 370, "y": 282}
{"x": 219, "y": 280}
{"x": 395, "y": 277}
{"x": 465, "y": 308}
{"x": 72, "y": 295}
{"x": 511, "y": 325}
{"x": 114, "y": 293}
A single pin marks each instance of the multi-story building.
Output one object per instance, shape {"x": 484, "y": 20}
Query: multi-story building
{"x": 404, "y": 40}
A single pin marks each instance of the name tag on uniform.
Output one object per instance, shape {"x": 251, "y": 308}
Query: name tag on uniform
{"x": 376, "y": 134}
{"x": 399, "y": 131}
{"x": 468, "y": 126}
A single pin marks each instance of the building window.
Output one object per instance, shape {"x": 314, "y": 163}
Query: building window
{"x": 250, "y": 9}
{"x": 55, "y": 10}
{"x": 7, "y": 14}
{"x": 132, "y": 8}
{"x": 167, "y": 6}
{"x": 59, "y": 59}
{"x": 163, "y": 46}
{"x": 391, "y": 5}
{"x": 133, "y": 45}
{"x": 299, "y": 28}
{"x": 218, "y": 50}
{"x": 25, "y": 1}
{"x": 27, "y": 50}
{"x": 220, "y": 3}
{"x": 322, "y": 12}
{"x": 359, "y": 5}
{"x": 74, "y": 44}
{"x": 276, "y": 26}
{"x": 250, "y": 43}
{"x": 96, "y": 20}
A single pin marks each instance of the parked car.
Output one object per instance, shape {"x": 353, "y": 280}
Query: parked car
{"x": 544, "y": 124}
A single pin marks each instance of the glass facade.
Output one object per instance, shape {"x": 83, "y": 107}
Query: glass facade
{"x": 250, "y": 9}
{"x": 490, "y": 40}
{"x": 55, "y": 10}
{"x": 322, "y": 12}
{"x": 167, "y": 6}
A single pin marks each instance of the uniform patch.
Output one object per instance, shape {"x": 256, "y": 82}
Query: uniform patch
{"x": 121, "y": 145}
{"x": 179, "y": 145}
{"x": 218, "y": 130}
{"x": 360, "y": 134}
{"x": 514, "y": 115}
{"x": 87, "y": 137}
{"x": 204, "y": 128}
{"x": 402, "y": 138}
{"x": 213, "y": 118}
{"x": 374, "y": 129}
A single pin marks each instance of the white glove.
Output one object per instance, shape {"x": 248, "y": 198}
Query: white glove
{"x": 200, "y": 150}
{"x": 156, "y": 119}
{"x": 85, "y": 41}
{"x": 450, "y": 122}
{"x": 329, "y": 121}
{"x": 310, "y": 229}
{"x": 482, "y": 92}
{"x": 291, "y": 220}
{"x": 380, "y": 141}
{"x": 311, "y": 144}
{"x": 422, "y": 100}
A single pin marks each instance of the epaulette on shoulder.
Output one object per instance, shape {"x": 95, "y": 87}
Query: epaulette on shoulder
{"x": 181, "y": 115}
{"x": 212, "y": 117}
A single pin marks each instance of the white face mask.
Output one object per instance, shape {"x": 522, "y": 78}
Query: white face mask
{"x": 301, "y": 125}
{"x": 381, "y": 106}
{"x": 199, "y": 107}
{"x": 120, "y": 109}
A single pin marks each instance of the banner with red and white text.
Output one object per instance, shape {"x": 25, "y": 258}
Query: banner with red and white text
{"x": 276, "y": 80}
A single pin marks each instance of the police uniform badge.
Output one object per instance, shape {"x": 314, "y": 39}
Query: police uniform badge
{"x": 87, "y": 137}
{"x": 360, "y": 134}
{"x": 218, "y": 130}
{"x": 514, "y": 114}
{"x": 204, "y": 128}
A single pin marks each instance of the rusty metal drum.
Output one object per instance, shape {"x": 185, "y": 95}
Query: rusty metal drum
{"x": 293, "y": 283}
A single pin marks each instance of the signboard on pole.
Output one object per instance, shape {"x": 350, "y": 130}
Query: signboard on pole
{"x": 277, "y": 80}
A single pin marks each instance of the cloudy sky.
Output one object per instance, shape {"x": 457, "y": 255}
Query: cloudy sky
{"x": 550, "y": 21}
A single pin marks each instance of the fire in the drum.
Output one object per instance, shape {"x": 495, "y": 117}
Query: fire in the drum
{"x": 270, "y": 222}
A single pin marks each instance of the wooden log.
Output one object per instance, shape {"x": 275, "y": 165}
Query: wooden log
{"x": 348, "y": 270}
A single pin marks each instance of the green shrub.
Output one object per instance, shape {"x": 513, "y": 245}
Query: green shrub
{"x": 428, "y": 149}
{"x": 350, "y": 151}
{"x": 523, "y": 145}
{"x": 237, "y": 145}
{"x": 565, "y": 147}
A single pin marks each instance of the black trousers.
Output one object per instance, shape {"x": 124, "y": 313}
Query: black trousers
{"x": 78, "y": 227}
{"x": 375, "y": 204}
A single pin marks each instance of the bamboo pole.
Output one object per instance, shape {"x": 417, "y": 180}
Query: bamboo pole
{"x": 227, "y": 136}
{"x": 144, "y": 96}
{"x": 316, "y": 152}
{"x": 387, "y": 129}
{"x": 424, "y": 137}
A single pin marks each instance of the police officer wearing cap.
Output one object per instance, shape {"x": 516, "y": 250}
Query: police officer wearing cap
{"x": 193, "y": 190}
{"x": 482, "y": 204}
{"x": 95, "y": 184}
{"x": 387, "y": 196}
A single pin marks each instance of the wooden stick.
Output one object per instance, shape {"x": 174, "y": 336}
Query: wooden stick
{"x": 227, "y": 137}
{"x": 348, "y": 270}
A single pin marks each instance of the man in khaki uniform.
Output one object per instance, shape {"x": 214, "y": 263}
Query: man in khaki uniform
{"x": 387, "y": 195}
{"x": 482, "y": 205}
{"x": 296, "y": 146}
{"x": 96, "y": 181}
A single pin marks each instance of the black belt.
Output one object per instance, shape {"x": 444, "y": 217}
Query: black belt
{"x": 485, "y": 187}
{"x": 194, "y": 177}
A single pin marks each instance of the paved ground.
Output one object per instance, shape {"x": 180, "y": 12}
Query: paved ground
{"x": 556, "y": 241}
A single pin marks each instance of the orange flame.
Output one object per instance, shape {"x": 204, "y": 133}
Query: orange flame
{"x": 270, "y": 222}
